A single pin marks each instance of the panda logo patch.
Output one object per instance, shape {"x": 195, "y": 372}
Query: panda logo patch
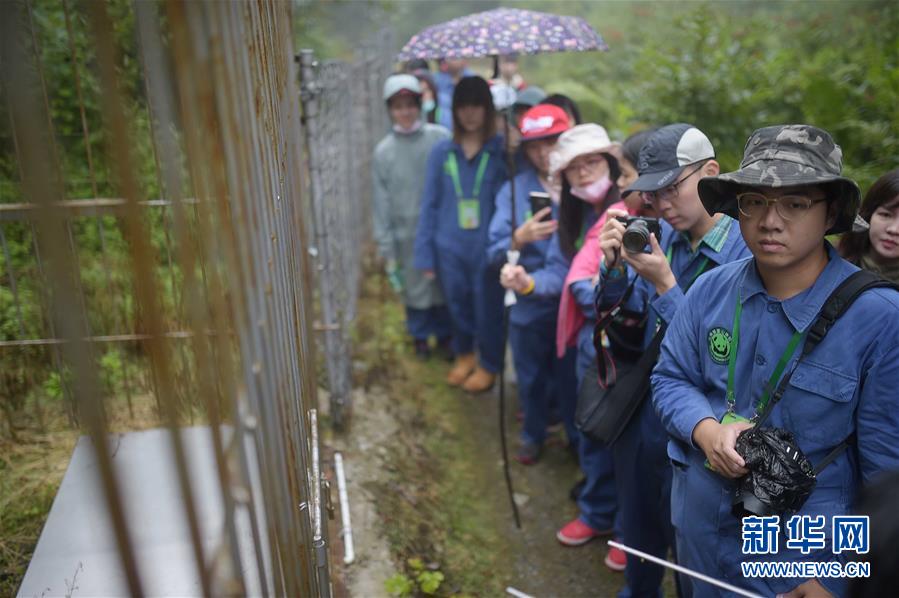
{"x": 719, "y": 344}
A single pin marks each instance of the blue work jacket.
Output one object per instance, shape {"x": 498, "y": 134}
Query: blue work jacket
{"x": 530, "y": 308}
{"x": 438, "y": 223}
{"x": 846, "y": 386}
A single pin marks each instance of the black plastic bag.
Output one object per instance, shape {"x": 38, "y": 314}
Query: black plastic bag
{"x": 780, "y": 477}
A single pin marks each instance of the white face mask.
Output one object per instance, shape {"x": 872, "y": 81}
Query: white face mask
{"x": 595, "y": 192}
{"x": 427, "y": 106}
{"x": 407, "y": 131}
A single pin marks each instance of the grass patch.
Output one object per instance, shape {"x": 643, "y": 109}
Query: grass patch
{"x": 31, "y": 468}
{"x": 432, "y": 501}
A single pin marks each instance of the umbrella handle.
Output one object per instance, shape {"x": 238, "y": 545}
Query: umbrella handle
{"x": 512, "y": 256}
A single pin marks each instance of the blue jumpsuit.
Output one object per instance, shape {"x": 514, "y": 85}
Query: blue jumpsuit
{"x": 643, "y": 472}
{"x": 598, "y": 501}
{"x": 458, "y": 255}
{"x": 548, "y": 282}
{"x": 532, "y": 321}
{"x": 846, "y": 385}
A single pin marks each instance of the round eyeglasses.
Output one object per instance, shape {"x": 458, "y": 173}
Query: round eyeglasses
{"x": 788, "y": 207}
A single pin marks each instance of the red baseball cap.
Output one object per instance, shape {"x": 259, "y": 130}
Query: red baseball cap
{"x": 543, "y": 120}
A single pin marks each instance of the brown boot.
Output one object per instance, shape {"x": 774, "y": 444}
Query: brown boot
{"x": 462, "y": 367}
{"x": 479, "y": 381}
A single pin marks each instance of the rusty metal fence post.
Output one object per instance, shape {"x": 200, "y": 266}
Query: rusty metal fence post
{"x": 184, "y": 263}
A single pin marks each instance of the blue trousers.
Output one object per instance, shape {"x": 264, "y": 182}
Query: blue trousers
{"x": 541, "y": 377}
{"x": 475, "y": 301}
{"x": 643, "y": 477}
{"x": 598, "y": 500}
{"x": 432, "y": 321}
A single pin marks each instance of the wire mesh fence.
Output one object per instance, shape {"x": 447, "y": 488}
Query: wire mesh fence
{"x": 174, "y": 240}
{"x": 344, "y": 118}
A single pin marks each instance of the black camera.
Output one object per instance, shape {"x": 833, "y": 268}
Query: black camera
{"x": 780, "y": 478}
{"x": 637, "y": 230}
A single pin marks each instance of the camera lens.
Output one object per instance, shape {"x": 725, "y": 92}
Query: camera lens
{"x": 636, "y": 236}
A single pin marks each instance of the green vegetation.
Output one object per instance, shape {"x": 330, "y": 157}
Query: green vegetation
{"x": 438, "y": 522}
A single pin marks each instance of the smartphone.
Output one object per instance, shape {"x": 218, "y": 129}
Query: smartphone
{"x": 540, "y": 200}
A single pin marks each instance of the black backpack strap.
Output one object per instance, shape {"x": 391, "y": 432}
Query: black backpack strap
{"x": 834, "y": 453}
{"x": 839, "y": 301}
{"x": 834, "y": 307}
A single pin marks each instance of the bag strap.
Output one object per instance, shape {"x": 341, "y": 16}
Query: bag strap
{"x": 604, "y": 360}
{"x": 836, "y": 305}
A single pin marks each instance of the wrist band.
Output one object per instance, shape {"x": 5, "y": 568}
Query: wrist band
{"x": 530, "y": 288}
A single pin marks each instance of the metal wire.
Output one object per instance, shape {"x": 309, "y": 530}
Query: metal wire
{"x": 211, "y": 296}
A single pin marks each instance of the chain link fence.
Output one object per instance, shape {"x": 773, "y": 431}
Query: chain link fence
{"x": 180, "y": 226}
{"x": 345, "y": 117}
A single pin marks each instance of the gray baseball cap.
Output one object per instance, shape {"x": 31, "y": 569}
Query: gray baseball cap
{"x": 784, "y": 156}
{"x": 666, "y": 153}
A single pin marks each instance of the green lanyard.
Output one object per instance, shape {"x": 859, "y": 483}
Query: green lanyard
{"x": 452, "y": 168}
{"x": 730, "y": 397}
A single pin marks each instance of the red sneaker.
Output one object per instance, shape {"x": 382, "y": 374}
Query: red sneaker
{"x": 616, "y": 559}
{"x": 576, "y": 533}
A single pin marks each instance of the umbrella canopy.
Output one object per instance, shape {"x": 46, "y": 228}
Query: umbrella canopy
{"x": 503, "y": 31}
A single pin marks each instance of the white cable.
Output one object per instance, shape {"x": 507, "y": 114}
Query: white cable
{"x": 349, "y": 553}
{"x": 518, "y": 594}
{"x": 512, "y": 256}
{"x": 685, "y": 571}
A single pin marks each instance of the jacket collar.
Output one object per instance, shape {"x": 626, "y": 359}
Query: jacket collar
{"x": 801, "y": 309}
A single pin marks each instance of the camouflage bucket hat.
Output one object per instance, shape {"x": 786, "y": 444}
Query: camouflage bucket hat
{"x": 782, "y": 156}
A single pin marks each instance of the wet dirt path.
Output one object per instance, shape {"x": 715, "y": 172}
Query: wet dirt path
{"x": 424, "y": 466}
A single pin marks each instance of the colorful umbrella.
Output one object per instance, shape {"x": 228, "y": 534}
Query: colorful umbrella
{"x": 503, "y": 31}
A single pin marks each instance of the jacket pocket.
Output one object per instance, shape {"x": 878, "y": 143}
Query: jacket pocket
{"x": 819, "y": 403}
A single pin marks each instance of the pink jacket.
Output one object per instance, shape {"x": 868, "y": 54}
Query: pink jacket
{"x": 584, "y": 266}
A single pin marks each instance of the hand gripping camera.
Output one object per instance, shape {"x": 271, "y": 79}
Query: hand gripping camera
{"x": 637, "y": 230}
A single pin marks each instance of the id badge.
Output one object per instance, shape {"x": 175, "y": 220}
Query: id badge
{"x": 469, "y": 214}
{"x": 728, "y": 418}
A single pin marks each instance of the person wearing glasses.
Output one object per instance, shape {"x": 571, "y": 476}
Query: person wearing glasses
{"x": 788, "y": 195}
{"x": 584, "y": 162}
{"x": 654, "y": 281}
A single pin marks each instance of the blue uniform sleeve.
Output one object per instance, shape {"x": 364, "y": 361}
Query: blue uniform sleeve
{"x": 666, "y": 306}
{"x": 425, "y": 250}
{"x": 548, "y": 280}
{"x": 500, "y": 232}
{"x": 677, "y": 377}
{"x": 582, "y": 290}
{"x": 877, "y": 423}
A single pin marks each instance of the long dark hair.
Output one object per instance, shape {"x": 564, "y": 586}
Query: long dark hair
{"x": 424, "y": 78}
{"x": 474, "y": 91}
{"x": 573, "y": 210}
{"x": 884, "y": 190}
{"x": 630, "y": 147}
{"x": 566, "y": 104}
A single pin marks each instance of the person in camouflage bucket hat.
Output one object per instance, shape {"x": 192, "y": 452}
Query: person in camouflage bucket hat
{"x": 787, "y": 156}
{"x": 739, "y": 333}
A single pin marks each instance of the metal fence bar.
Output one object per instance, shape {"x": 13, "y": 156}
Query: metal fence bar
{"x": 209, "y": 304}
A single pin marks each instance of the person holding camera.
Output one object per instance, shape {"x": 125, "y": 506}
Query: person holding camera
{"x": 584, "y": 160}
{"x": 647, "y": 268}
{"x": 398, "y": 176}
{"x": 577, "y": 320}
{"x": 747, "y": 351}
{"x": 532, "y": 320}
{"x": 462, "y": 177}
